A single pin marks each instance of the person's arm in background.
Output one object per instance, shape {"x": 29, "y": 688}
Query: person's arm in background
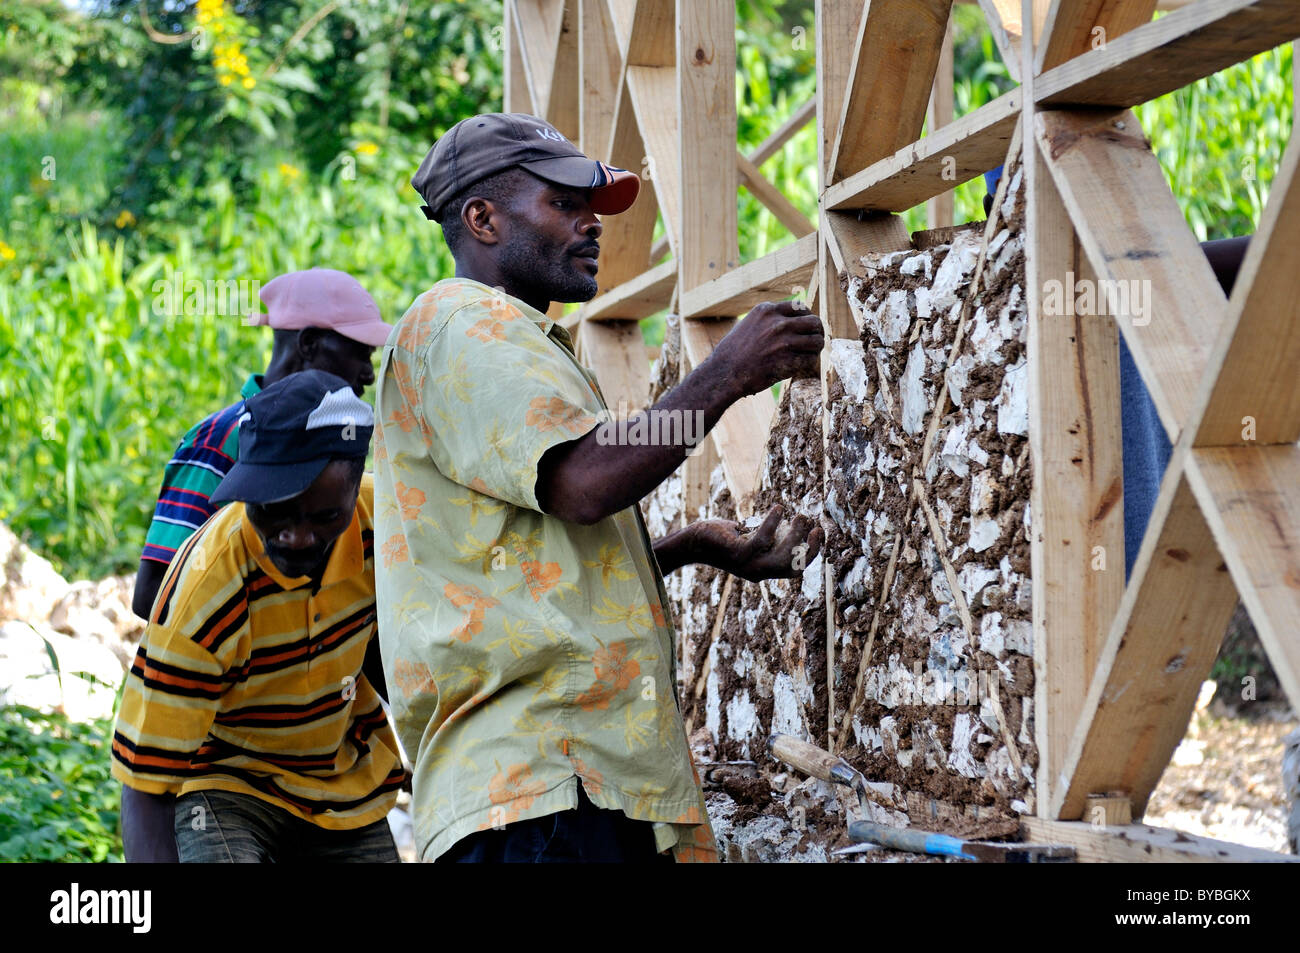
{"x": 147, "y": 580}
{"x": 147, "y": 827}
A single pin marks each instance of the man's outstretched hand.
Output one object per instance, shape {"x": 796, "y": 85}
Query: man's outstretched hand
{"x": 759, "y": 553}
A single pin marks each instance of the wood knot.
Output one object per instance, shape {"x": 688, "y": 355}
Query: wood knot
{"x": 700, "y": 56}
{"x": 1181, "y": 555}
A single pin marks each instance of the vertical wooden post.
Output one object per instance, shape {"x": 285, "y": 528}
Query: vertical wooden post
{"x": 939, "y": 210}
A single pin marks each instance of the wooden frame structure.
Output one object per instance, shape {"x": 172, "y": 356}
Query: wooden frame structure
{"x": 649, "y": 85}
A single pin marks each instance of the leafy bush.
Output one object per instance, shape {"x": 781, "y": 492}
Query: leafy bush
{"x": 58, "y": 800}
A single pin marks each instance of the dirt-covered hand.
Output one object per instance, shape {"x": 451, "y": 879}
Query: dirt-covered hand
{"x": 760, "y": 553}
{"x": 775, "y": 341}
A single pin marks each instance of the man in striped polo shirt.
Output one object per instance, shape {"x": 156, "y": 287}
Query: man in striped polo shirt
{"x": 322, "y": 320}
{"x": 248, "y": 730}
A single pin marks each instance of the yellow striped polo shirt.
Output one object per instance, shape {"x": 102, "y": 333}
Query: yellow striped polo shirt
{"x": 251, "y": 682}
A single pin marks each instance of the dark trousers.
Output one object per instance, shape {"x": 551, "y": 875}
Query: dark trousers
{"x": 219, "y": 827}
{"x": 588, "y": 834}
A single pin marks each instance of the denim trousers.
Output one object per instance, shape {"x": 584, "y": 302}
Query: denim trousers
{"x": 220, "y": 827}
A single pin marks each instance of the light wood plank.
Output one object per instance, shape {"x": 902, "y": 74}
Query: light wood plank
{"x": 651, "y": 39}
{"x": 1170, "y": 53}
{"x": 563, "y": 107}
{"x": 653, "y": 90}
{"x": 539, "y": 23}
{"x": 1076, "y": 500}
{"x": 615, "y": 352}
{"x": 1004, "y": 19}
{"x": 625, "y": 240}
{"x": 1073, "y": 27}
{"x": 1159, "y": 650}
{"x": 1259, "y": 349}
{"x": 939, "y": 210}
{"x": 835, "y": 28}
{"x": 1105, "y": 171}
{"x": 896, "y": 54}
{"x": 1251, "y": 499}
{"x": 772, "y": 198}
{"x": 1138, "y": 843}
{"x": 601, "y": 70}
{"x": 773, "y": 277}
{"x": 518, "y": 97}
{"x": 647, "y": 293}
{"x": 954, "y": 154}
{"x": 706, "y": 103}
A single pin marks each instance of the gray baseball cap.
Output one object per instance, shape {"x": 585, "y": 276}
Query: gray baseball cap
{"x": 484, "y": 145}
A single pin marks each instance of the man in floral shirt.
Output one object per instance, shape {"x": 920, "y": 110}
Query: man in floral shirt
{"x": 528, "y": 653}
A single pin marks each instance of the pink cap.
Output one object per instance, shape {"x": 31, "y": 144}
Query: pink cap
{"x": 323, "y": 298}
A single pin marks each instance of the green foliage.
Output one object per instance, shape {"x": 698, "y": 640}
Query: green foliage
{"x": 58, "y": 800}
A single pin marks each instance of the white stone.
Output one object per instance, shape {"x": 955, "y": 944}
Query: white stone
{"x": 742, "y": 718}
{"x": 983, "y": 534}
{"x": 954, "y": 274}
{"x": 915, "y": 404}
{"x": 973, "y": 578}
{"x": 991, "y": 638}
{"x": 30, "y": 586}
{"x": 1013, "y": 400}
{"x": 813, "y": 576}
{"x": 849, "y": 361}
{"x": 786, "y": 719}
{"x": 960, "y": 759}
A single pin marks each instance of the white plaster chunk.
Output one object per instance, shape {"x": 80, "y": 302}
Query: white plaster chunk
{"x": 1009, "y": 251}
{"x": 998, "y": 241}
{"x": 954, "y": 274}
{"x": 742, "y": 718}
{"x": 1026, "y": 720}
{"x": 982, "y": 488}
{"x": 991, "y": 638}
{"x": 915, "y": 402}
{"x": 849, "y": 361}
{"x": 712, "y": 698}
{"x": 1009, "y": 203}
{"x": 958, "y": 377}
{"x": 1013, "y": 400}
{"x": 894, "y": 319}
{"x": 960, "y": 759}
{"x": 984, "y": 533}
{"x": 854, "y": 582}
{"x": 811, "y": 584}
{"x": 743, "y": 662}
{"x": 916, "y": 263}
{"x": 973, "y": 578}
{"x": 785, "y": 707}
{"x": 889, "y": 735}
{"x": 925, "y": 305}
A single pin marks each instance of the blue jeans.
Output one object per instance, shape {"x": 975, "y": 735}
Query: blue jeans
{"x": 588, "y": 834}
{"x": 220, "y": 827}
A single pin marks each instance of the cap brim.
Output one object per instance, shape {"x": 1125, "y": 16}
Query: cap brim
{"x": 263, "y": 483}
{"x": 612, "y": 190}
{"x": 373, "y": 333}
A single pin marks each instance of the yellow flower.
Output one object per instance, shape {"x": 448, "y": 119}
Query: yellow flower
{"x": 367, "y": 148}
{"x": 124, "y": 219}
{"x": 7, "y": 253}
{"x": 288, "y": 171}
{"x": 224, "y": 80}
{"x": 249, "y": 82}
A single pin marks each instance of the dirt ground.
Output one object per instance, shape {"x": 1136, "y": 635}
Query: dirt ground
{"x": 1225, "y": 780}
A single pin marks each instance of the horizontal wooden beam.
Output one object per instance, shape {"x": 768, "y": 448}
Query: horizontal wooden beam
{"x": 1139, "y": 843}
{"x": 944, "y": 160}
{"x": 773, "y": 277}
{"x": 1170, "y": 53}
{"x": 1251, "y": 499}
{"x": 642, "y": 296}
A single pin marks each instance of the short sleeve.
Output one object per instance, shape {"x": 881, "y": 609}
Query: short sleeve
{"x": 189, "y": 480}
{"x": 496, "y": 394}
{"x": 174, "y": 689}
